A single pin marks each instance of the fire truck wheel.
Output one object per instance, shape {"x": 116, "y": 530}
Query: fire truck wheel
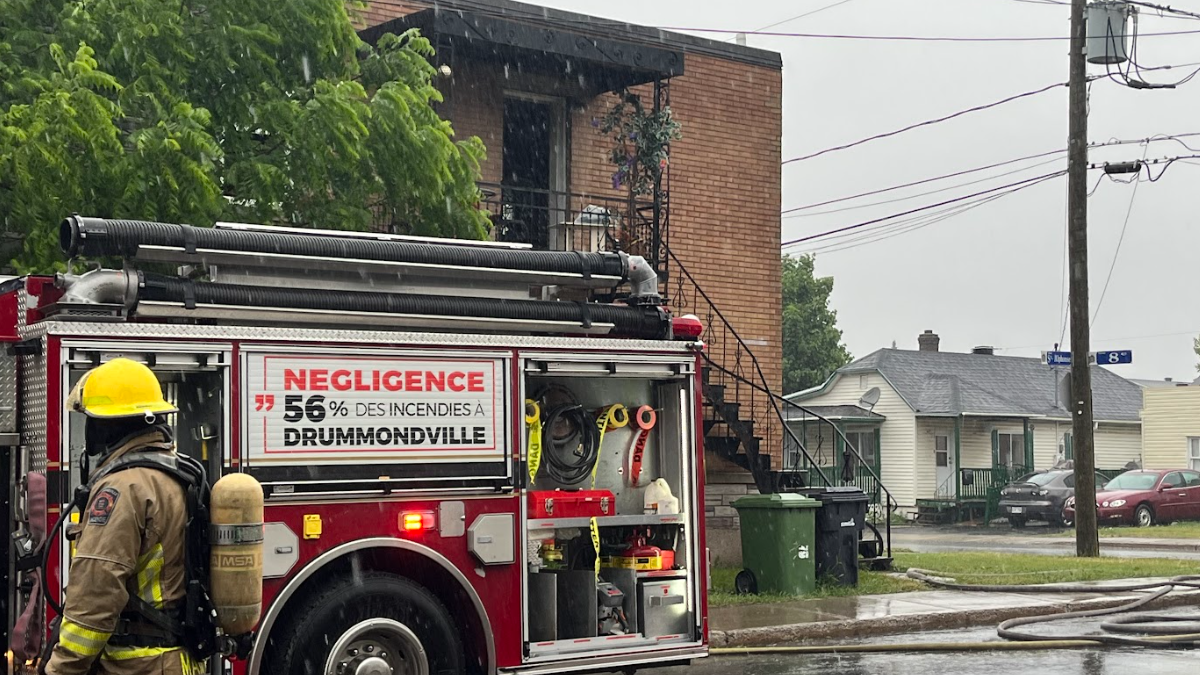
{"x": 373, "y": 624}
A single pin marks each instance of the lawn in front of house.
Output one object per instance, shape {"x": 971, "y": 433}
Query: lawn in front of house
{"x": 966, "y": 567}
{"x": 1182, "y": 530}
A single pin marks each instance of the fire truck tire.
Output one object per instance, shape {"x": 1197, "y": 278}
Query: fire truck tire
{"x": 372, "y": 623}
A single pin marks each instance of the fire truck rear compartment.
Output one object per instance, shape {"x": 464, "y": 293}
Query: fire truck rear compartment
{"x": 634, "y": 601}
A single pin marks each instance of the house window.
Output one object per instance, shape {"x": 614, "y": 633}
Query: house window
{"x": 1194, "y": 453}
{"x": 1011, "y": 450}
{"x": 941, "y": 451}
{"x": 864, "y": 442}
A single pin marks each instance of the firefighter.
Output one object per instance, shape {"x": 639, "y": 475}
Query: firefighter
{"x": 130, "y": 548}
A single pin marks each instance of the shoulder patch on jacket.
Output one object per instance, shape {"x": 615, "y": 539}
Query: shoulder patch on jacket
{"x": 102, "y": 505}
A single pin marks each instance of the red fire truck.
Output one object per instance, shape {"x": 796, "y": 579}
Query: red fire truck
{"x": 476, "y": 457}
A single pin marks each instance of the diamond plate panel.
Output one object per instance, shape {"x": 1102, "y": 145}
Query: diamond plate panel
{"x": 275, "y": 334}
{"x": 33, "y": 403}
{"x": 8, "y": 393}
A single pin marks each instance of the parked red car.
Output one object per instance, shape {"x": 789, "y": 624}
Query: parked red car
{"x": 1144, "y": 498}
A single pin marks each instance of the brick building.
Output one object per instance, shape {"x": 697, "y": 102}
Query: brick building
{"x": 531, "y": 83}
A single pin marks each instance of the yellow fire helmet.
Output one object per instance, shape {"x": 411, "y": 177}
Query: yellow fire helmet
{"x": 119, "y": 388}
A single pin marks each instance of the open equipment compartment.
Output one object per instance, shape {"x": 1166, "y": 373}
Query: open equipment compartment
{"x": 611, "y": 556}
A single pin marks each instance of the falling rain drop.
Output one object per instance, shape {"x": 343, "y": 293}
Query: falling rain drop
{"x": 307, "y": 68}
{"x": 506, "y": 71}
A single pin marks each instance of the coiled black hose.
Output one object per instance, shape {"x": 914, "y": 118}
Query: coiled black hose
{"x": 641, "y": 322}
{"x": 97, "y": 237}
{"x": 566, "y": 464}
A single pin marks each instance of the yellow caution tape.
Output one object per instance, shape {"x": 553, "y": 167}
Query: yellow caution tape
{"x": 533, "y": 422}
{"x": 618, "y": 416}
{"x": 604, "y": 422}
{"x": 596, "y": 544}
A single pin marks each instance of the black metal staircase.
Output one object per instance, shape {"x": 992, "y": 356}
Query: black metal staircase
{"x": 746, "y": 423}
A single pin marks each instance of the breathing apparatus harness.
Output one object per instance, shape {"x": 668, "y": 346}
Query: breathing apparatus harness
{"x": 191, "y": 626}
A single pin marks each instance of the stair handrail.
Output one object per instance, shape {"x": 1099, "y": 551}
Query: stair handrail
{"x": 891, "y": 503}
{"x": 765, "y": 387}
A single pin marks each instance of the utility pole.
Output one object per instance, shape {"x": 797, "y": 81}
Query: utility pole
{"x": 1087, "y": 540}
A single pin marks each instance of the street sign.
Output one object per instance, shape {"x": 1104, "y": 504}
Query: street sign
{"x": 1111, "y": 358}
{"x": 1114, "y": 357}
{"x": 1057, "y": 358}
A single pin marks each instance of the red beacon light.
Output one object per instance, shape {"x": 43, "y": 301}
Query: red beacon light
{"x": 686, "y": 327}
{"x": 412, "y": 522}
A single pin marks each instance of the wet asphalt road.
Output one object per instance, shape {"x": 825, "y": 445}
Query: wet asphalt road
{"x": 1090, "y": 662}
{"x": 1131, "y": 661}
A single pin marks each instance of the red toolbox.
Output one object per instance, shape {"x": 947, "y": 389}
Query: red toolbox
{"x": 571, "y": 504}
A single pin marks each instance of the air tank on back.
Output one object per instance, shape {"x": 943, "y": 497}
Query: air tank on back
{"x": 236, "y": 563}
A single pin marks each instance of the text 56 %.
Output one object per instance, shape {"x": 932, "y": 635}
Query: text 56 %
{"x": 315, "y": 408}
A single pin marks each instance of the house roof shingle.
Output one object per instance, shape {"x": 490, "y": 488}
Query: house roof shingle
{"x": 949, "y": 383}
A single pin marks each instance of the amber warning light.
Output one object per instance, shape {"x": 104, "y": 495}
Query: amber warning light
{"x": 686, "y": 327}
{"x": 416, "y": 521}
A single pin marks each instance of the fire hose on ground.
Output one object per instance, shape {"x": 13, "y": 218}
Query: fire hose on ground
{"x": 1160, "y": 631}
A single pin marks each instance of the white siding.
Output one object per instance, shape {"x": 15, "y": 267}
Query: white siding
{"x": 897, "y": 459}
{"x": 1118, "y": 445}
{"x": 1169, "y": 417}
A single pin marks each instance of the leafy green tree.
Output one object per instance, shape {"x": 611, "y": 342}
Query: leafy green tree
{"x": 812, "y": 342}
{"x": 199, "y": 110}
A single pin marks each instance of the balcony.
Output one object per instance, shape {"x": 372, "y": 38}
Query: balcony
{"x": 570, "y": 221}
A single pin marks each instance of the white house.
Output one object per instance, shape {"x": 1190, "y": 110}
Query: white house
{"x": 923, "y": 417}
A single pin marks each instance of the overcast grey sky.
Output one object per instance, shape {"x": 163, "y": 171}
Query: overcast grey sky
{"x": 992, "y": 275}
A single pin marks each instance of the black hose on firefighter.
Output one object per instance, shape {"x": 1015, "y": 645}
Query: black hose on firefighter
{"x": 641, "y": 322}
{"x": 98, "y": 237}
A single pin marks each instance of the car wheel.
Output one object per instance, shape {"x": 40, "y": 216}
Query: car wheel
{"x": 1143, "y": 516}
{"x": 745, "y": 583}
{"x": 374, "y": 623}
{"x": 1016, "y": 522}
{"x": 1064, "y": 519}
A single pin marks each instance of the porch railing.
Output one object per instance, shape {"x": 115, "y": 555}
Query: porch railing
{"x": 576, "y": 221}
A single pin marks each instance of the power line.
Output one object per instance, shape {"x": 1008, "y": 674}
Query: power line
{"x": 905, "y": 38}
{"x": 916, "y": 224}
{"x": 919, "y": 209}
{"x": 1120, "y": 240}
{"x": 1165, "y": 8}
{"x": 1108, "y": 143}
{"x": 937, "y": 120}
{"x": 921, "y": 194}
{"x": 808, "y": 13}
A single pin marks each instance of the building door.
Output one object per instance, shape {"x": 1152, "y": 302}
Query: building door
{"x": 534, "y": 169}
{"x": 943, "y": 461}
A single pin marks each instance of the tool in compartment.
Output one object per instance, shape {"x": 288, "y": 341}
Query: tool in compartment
{"x": 640, "y": 556}
{"x": 611, "y": 612}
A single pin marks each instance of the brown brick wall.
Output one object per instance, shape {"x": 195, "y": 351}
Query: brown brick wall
{"x": 724, "y": 177}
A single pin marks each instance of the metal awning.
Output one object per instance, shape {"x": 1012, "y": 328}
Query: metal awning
{"x": 597, "y": 64}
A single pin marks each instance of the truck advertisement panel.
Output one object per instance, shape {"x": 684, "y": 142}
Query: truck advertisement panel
{"x": 335, "y": 409}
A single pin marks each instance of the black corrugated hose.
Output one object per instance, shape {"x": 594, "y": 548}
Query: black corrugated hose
{"x": 97, "y": 237}
{"x": 641, "y": 322}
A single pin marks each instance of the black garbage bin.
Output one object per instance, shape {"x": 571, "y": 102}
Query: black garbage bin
{"x": 839, "y": 525}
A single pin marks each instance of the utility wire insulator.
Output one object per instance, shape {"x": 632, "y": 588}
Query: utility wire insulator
{"x": 1123, "y": 167}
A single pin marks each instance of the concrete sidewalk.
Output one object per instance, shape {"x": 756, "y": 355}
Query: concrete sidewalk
{"x": 830, "y": 618}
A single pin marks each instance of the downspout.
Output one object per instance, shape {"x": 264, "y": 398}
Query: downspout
{"x": 958, "y": 458}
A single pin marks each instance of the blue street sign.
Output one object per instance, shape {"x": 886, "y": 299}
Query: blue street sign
{"x": 1102, "y": 358}
{"x": 1114, "y": 357}
{"x": 1057, "y": 358}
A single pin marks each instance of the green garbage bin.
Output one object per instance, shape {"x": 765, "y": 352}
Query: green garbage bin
{"x": 778, "y": 544}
